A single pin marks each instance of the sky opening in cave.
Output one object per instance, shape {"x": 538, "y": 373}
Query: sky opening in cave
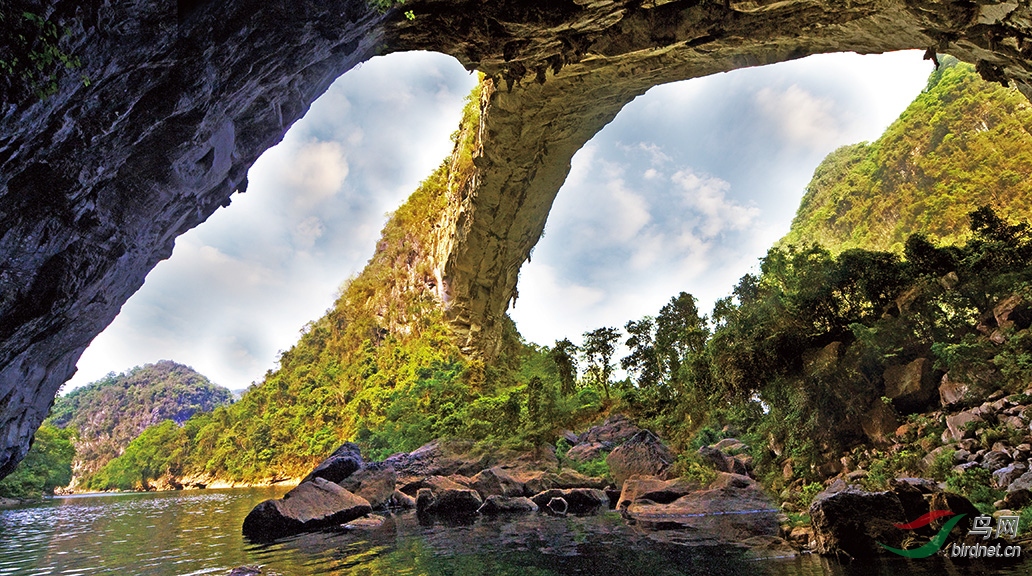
{"x": 685, "y": 190}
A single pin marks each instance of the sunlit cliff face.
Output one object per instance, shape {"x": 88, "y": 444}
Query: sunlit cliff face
{"x": 98, "y": 180}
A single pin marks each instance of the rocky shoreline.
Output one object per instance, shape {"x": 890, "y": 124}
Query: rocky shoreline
{"x": 449, "y": 479}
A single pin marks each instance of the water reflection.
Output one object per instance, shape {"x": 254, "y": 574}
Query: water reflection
{"x": 195, "y": 533}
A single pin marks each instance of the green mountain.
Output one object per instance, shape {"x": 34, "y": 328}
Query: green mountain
{"x": 108, "y": 414}
{"x": 963, "y": 143}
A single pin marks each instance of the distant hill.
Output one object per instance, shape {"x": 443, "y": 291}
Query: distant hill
{"x": 109, "y": 413}
{"x": 961, "y": 144}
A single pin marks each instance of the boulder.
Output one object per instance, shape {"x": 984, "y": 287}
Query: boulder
{"x": 1017, "y": 499}
{"x": 445, "y": 497}
{"x": 1013, "y": 312}
{"x": 952, "y": 392}
{"x": 345, "y": 461}
{"x": 732, "y": 508}
{"x": 716, "y": 459}
{"x": 497, "y": 481}
{"x": 1004, "y": 477}
{"x": 911, "y": 386}
{"x": 438, "y": 458}
{"x": 994, "y": 460}
{"x": 507, "y": 504}
{"x": 644, "y": 453}
{"x": 957, "y": 425}
{"x": 614, "y": 430}
{"x": 1023, "y": 482}
{"x": 656, "y": 490}
{"x": 246, "y": 571}
{"x": 578, "y": 500}
{"x": 880, "y": 423}
{"x": 374, "y": 482}
{"x": 586, "y": 451}
{"x": 402, "y": 500}
{"x": 535, "y": 482}
{"x": 852, "y": 522}
{"x": 311, "y": 505}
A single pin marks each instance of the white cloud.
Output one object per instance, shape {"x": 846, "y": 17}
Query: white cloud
{"x": 804, "y": 118}
{"x": 707, "y": 195}
{"x": 317, "y": 171}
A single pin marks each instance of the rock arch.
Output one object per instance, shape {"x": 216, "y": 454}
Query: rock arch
{"x": 97, "y": 182}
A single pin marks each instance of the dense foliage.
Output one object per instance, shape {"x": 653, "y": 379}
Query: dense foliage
{"x": 961, "y": 144}
{"x": 108, "y": 414}
{"x": 797, "y": 355}
{"x": 47, "y": 466}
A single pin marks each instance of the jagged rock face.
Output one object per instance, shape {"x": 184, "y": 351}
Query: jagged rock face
{"x": 97, "y": 181}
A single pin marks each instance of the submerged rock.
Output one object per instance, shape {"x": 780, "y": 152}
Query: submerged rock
{"x": 312, "y": 505}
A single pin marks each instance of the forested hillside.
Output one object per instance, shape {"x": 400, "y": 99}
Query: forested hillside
{"x": 106, "y": 415}
{"x": 961, "y": 144}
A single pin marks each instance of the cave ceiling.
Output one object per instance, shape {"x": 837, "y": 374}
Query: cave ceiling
{"x": 98, "y": 180}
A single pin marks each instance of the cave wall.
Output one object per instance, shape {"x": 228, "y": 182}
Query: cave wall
{"x": 97, "y": 181}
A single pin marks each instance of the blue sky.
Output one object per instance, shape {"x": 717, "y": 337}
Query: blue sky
{"x": 685, "y": 190}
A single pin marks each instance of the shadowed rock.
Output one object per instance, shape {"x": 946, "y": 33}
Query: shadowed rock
{"x": 345, "y": 461}
{"x": 578, "y": 500}
{"x": 507, "y": 504}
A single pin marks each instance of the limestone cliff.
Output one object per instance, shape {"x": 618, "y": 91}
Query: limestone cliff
{"x": 97, "y": 181}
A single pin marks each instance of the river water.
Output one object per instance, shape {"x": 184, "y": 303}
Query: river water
{"x": 198, "y": 532}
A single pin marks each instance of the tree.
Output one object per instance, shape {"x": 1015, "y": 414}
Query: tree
{"x": 598, "y": 352}
{"x": 564, "y": 354}
{"x": 642, "y": 359}
{"x": 680, "y": 332}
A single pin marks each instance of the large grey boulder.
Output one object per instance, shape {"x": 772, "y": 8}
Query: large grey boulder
{"x": 311, "y": 506}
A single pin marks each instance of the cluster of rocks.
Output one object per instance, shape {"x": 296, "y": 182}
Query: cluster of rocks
{"x": 436, "y": 479}
{"x": 447, "y": 479}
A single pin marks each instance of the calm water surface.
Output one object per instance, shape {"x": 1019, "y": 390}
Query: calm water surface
{"x": 198, "y": 532}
